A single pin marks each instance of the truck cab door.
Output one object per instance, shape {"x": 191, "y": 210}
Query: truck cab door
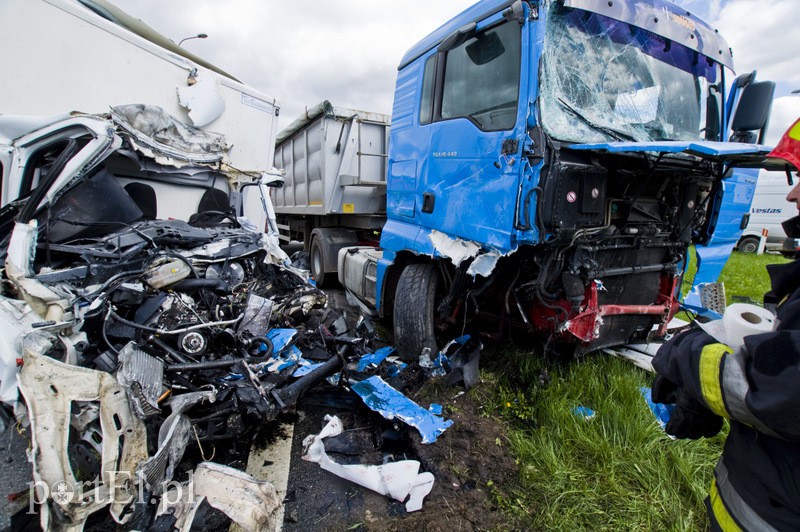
{"x": 469, "y": 179}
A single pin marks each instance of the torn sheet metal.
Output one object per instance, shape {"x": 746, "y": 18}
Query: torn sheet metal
{"x": 202, "y": 99}
{"x": 374, "y": 359}
{"x": 397, "y": 480}
{"x": 50, "y": 388}
{"x": 391, "y": 404}
{"x": 250, "y": 503}
{"x": 484, "y": 264}
{"x": 161, "y": 137}
{"x": 455, "y": 249}
{"x": 173, "y": 436}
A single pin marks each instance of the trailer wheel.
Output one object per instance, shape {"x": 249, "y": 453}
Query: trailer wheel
{"x": 317, "y": 263}
{"x": 748, "y": 244}
{"x": 414, "y": 310}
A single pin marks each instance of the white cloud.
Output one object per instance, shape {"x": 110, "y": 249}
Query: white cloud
{"x": 785, "y": 111}
{"x": 303, "y": 52}
{"x": 764, "y": 37}
{"x": 347, "y": 51}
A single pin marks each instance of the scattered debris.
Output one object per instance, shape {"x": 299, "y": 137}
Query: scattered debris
{"x": 584, "y": 412}
{"x": 250, "y": 503}
{"x": 391, "y": 404}
{"x": 397, "y": 480}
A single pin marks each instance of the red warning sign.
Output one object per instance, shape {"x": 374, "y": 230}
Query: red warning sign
{"x": 571, "y": 197}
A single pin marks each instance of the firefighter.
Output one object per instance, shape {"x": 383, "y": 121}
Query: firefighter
{"x": 756, "y": 482}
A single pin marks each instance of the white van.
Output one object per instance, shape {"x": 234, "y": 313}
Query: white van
{"x": 768, "y": 210}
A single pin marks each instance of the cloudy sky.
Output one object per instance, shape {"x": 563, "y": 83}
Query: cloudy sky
{"x": 347, "y": 51}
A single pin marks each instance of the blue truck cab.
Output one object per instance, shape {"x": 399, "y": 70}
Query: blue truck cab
{"x": 550, "y": 163}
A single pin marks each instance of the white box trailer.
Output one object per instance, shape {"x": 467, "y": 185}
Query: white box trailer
{"x": 88, "y": 55}
{"x": 334, "y": 192}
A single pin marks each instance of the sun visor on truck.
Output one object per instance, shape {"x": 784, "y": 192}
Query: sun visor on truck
{"x": 735, "y": 154}
{"x": 664, "y": 19}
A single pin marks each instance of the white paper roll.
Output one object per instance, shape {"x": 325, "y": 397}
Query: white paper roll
{"x": 741, "y": 319}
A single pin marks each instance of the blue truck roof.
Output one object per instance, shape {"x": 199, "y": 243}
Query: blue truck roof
{"x": 686, "y": 28}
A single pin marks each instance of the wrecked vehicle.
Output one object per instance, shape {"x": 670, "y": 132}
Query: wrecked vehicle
{"x": 146, "y": 314}
{"x": 549, "y": 166}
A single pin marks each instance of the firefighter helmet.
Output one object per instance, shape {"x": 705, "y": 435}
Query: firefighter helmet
{"x": 788, "y": 148}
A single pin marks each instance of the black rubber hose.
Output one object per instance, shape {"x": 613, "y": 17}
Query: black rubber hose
{"x": 211, "y": 364}
{"x": 263, "y": 340}
{"x": 195, "y": 284}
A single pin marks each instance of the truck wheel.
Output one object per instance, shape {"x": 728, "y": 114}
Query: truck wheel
{"x": 748, "y": 244}
{"x": 317, "y": 264}
{"x": 414, "y": 310}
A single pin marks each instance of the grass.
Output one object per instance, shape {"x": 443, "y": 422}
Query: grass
{"x": 617, "y": 471}
{"x": 744, "y": 275}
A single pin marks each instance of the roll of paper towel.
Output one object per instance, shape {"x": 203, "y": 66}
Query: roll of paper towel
{"x": 740, "y": 320}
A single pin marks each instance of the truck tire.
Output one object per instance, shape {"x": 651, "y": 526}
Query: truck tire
{"x": 748, "y": 244}
{"x": 316, "y": 261}
{"x": 414, "y": 310}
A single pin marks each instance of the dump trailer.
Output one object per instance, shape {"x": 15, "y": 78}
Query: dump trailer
{"x": 550, "y": 164}
{"x": 89, "y": 56}
{"x": 334, "y": 192}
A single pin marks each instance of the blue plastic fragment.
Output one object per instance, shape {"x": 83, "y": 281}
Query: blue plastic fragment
{"x": 662, "y": 412}
{"x": 395, "y": 369}
{"x": 391, "y": 404}
{"x": 584, "y": 412}
{"x": 435, "y": 409}
{"x": 305, "y": 368}
{"x": 374, "y": 358}
{"x": 281, "y": 338}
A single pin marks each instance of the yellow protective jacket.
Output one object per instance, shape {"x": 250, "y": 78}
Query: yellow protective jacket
{"x": 757, "y": 387}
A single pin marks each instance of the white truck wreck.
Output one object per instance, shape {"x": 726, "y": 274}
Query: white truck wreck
{"x": 114, "y": 309}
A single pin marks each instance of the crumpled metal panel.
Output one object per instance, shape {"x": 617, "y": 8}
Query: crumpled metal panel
{"x": 50, "y": 388}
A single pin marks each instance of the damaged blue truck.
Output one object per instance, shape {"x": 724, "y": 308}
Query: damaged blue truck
{"x": 550, "y": 165}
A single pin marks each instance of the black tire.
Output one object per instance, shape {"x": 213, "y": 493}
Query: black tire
{"x": 748, "y": 244}
{"x": 414, "y": 310}
{"x": 316, "y": 262}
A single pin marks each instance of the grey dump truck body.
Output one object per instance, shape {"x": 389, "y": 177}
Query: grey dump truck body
{"x": 334, "y": 193}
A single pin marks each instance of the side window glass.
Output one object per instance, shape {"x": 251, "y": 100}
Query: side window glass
{"x": 481, "y": 79}
{"x": 426, "y": 99}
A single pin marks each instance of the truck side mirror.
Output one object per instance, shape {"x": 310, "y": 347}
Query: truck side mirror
{"x": 486, "y": 48}
{"x": 713, "y": 113}
{"x": 752, "y": 112}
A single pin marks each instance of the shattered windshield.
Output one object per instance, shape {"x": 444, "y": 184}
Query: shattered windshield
{"x": 605, "y": 80}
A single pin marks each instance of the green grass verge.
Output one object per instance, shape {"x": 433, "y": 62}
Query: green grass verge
{"x": 617, "y": 471}
{"x": 744, "y": 275}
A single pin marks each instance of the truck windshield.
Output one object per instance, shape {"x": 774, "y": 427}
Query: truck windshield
{"x": 604, "y": 80}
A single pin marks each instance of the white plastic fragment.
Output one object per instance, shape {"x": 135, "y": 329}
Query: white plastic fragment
{"x": 250, "y": 503}
{"x": 455, "y": 249}
{"x": 397, "y": 480}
